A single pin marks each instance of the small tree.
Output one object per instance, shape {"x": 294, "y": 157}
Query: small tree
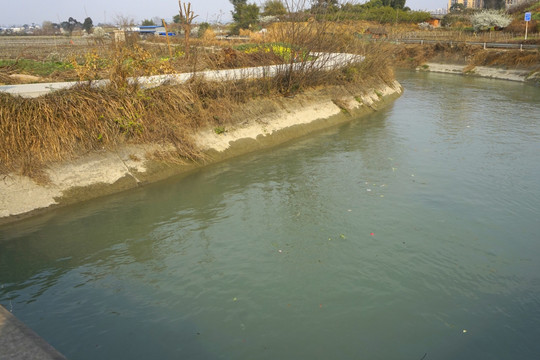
{"x": 494, "y": 4}
{"x": 373, "y": 4}
{"x": 202, "y": 29}
{"x": 324, "y": 6}
{"x": 186, "y": 17}
{"x": 245, "y": 15}
{"x": 70, "y": 25}
{"x": 148, "y": 22}
{"x": 457, "y": 7}
{"x": 489, "y": 18}
{"x": 274, "y": 8}
{"x": 48, "y": 28}
{"x": 99, "y": 35}
{"x": 396, "y": 4}
{"x": 88, "y": 25}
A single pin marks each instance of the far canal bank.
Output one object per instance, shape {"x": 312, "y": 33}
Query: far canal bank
{"x": 499, "y": 73}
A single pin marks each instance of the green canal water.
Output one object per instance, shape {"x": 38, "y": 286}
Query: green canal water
{"x": 410, "y": 234}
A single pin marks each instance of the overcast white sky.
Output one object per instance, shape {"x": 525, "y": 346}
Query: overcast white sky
{"x": 36, "y": 11}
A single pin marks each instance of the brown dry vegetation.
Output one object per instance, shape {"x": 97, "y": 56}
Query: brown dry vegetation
{"x": 411, "y": 56}
{"x": 512, "y": 58}
{"x": 65, "y": 124}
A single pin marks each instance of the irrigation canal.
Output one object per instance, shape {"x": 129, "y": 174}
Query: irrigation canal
{"x": 409, "y": 234}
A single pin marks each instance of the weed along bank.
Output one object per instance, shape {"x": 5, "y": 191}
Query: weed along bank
{"x": 143, "y": 108}
{"x": 421, "y": 215}
{"x": 144, "y": 150}
{"x": 91, "y": 139}
{"x": 266, "y": 188}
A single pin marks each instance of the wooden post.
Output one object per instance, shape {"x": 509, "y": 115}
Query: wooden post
{"x": 167, "y": 36}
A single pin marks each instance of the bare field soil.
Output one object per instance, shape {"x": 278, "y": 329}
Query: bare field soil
{"x": 45, "y": 47}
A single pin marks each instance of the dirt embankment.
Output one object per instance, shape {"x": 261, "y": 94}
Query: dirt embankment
{"x": 473, "y": 60}
{"x": 265, "y": 123}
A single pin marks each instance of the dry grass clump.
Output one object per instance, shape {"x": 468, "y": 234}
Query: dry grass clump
{"x": 68, "y": 123}
{"x": 510, "y": 58}
{"x": 411, "y": 56}
{"x": 5, "y": 78}
{"x": 65, "y": 124}
{"x": 229, "y": 58}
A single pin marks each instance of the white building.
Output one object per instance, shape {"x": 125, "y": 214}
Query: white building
{"x": 471, "y": 4}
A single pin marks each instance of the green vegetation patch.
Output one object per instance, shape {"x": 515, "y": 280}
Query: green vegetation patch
{"x": 33, "y": 67}
{"x": 283, "y": 50}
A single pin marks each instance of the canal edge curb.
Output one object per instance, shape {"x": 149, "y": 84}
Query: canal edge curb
{"x": 106, "y": 172}
{"x": 18, "y": 342}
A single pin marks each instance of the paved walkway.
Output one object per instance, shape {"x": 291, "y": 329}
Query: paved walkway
{"x": 324, "y": 61}
{"x": 18, "y": 342}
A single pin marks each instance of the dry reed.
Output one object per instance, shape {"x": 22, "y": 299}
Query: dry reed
{"x": 68, "y": 123}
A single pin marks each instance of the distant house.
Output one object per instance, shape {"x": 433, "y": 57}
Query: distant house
{"x": 468, "y": 4}
{"x": 435, "y": 20}
{"x": 154, "y": 30}
{"x": 479, "y": 4}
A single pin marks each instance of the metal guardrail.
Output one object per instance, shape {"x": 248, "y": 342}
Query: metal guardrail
{"x": 484, "y": 44}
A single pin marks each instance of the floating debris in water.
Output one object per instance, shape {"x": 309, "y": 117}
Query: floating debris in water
{"x": 235, "y": 299}
{"x": 372, "y": 234}
{"x": 280, "y": 251}
{"x": 342, "y": 236}
{"x": 464, "y": 331}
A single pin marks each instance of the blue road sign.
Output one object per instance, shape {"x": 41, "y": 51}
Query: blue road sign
{"x": 528, "y": 16}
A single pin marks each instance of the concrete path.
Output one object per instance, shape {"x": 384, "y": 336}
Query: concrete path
{"x": 324, "y": 61}
{"x": 18, "y": 342}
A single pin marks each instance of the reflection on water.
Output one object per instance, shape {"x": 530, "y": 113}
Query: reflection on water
{"x": 382, "y": 239}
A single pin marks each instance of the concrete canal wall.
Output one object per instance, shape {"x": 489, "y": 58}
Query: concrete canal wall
{"x": 268, "y": 122}
{"x": 18, "y": 342}
{"x": 483, "y": 71}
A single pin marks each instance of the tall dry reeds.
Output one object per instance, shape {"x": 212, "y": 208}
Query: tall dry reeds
{"x": 62, "y": 125}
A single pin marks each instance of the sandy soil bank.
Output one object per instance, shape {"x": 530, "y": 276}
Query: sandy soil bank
{"x": 483, "y": 71}
{"x": 268, "y": 123}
